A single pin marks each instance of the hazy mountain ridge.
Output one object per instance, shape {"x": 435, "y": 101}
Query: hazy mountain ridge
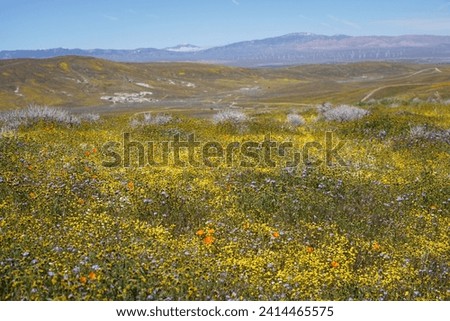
{"x": 295, "y": 48}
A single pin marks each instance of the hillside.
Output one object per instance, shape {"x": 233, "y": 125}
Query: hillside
{"x": 104, "y": 85}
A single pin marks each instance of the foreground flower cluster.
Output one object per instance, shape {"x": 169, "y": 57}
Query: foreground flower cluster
{"x": 376, "y": 229}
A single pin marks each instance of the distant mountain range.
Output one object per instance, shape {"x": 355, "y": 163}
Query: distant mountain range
{"x": 290, "y": 49}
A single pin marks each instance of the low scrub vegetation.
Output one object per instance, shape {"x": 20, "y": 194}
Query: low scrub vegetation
{"x": 295, "y": 120}
{"x": 150, "y": 119}
{"x": 32, "y": 115}
{"x": 343, "y": 113}
{"x": 229, "y": 116}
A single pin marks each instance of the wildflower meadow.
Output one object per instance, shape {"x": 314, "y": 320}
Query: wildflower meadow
{"x": 285, "y": 213}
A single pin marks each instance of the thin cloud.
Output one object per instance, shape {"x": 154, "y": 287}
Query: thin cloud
{"x": 112, "y": 18}
{"x": 305, "y": 17}
{"x": 235, "y": 2}
{"x": 344, "y": 22}
{"x": 422, "y": 24}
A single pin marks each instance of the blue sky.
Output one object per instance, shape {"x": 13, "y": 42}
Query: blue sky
{"x": 40, "y": 24}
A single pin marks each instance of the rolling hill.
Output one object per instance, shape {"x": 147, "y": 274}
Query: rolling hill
{"x": 98, "y": 84}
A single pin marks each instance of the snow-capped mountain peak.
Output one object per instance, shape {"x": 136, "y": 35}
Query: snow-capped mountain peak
{"x": 184, "y": 48}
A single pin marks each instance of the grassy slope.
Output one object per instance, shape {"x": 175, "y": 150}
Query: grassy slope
{"x": 76, "y": 81}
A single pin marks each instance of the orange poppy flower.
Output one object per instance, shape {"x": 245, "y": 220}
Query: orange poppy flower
{"x": 92, "y": 276}
{"x": 376, "y": 246}
{"x": 200, "y": 232}
{"x": 130, "y": 186}
{"x": 83, "y": 279}
{"x": 276, "y": 234}
{"x": 334, "y": 264}
{"x": 208, "y": 240}
{"x": 309, "y": 249}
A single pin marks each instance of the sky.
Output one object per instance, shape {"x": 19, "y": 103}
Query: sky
{"x": 131, "y": 24}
